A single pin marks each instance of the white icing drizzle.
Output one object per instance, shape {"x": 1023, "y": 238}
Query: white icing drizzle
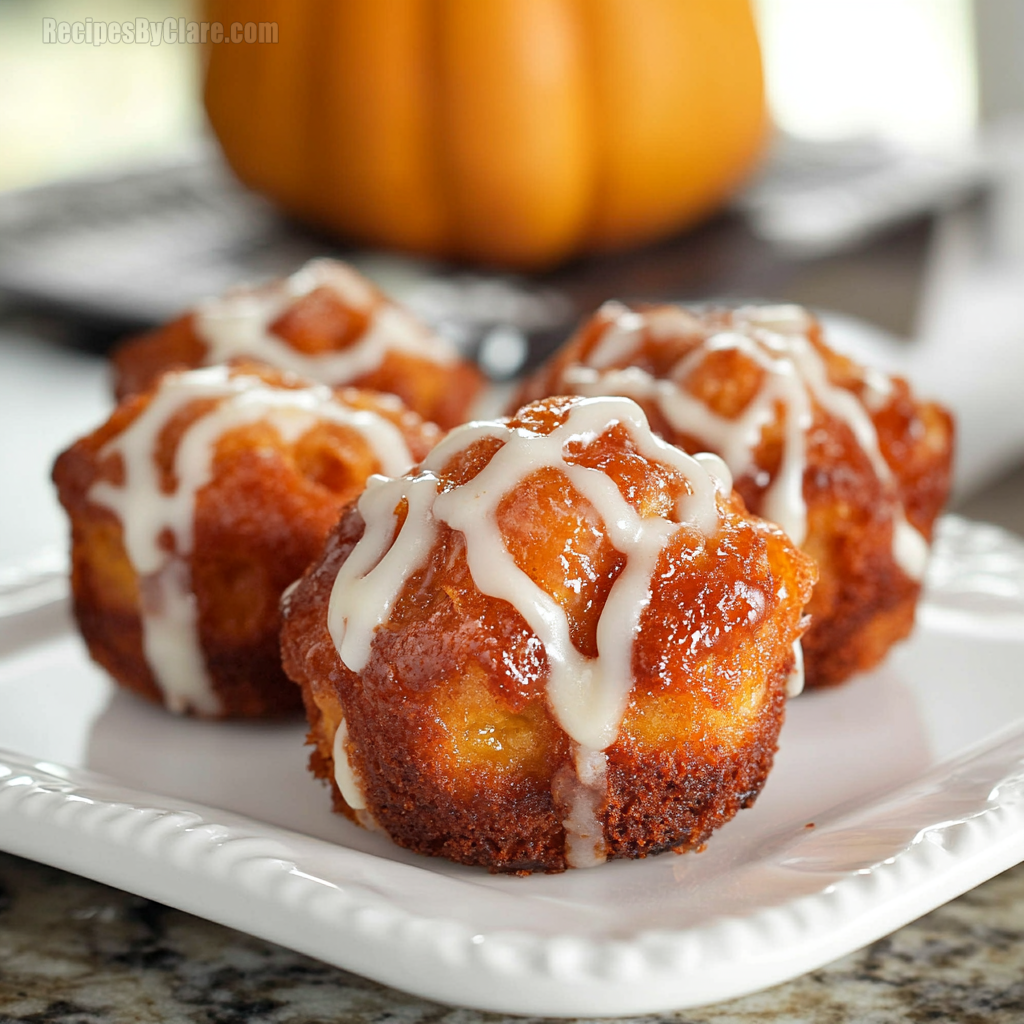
{"x": 344, "y": 776}
{"x": 776, "y": 338}
{"x": 795, "y": 682}
{"x": 587, "y": 696}
{"x": 584, "y": 830}
{"x": 371, "y": 577}
{"x": 909, "y": 548}
{"x": 238, "y": 324}
{"x": 148, "y": 514}
{"x": 671, "y": 321}
{"x": 878, "y": 389}
{"x": 619, "y": 339}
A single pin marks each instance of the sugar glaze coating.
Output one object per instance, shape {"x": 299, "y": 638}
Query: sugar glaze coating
{"x": 843, "y": 457}
{"x": 326, "y": 323}
{"x": 775, "y": 338}
{"x": 238, "y": 324}
{"x": 587, "y": 695}
{"x": 559, "y": 640}
{"x": 158, "y": 525}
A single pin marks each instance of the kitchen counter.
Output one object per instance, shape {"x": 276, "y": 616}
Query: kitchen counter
{"x": 75, "y": 952}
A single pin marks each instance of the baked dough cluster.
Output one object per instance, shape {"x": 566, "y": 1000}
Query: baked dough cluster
{"x": 536, "y": 642}
{"x": 559, "y": 640}
{"x": 326, "y": 323}
{"x": 196, "y": 504}
{"x": 844, "y": 458}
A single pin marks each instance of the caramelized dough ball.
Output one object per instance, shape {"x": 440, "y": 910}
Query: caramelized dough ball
{"x": 192, "y": 509}
{"x": 436, "y": 703}
{"x": 326, "y": 323}
{"x": 844, "y": 458}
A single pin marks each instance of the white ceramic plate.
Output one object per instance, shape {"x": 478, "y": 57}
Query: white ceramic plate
{"x": 890, "y": 796}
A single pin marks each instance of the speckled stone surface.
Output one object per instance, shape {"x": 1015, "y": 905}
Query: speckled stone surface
{"x": 74, "y": 952}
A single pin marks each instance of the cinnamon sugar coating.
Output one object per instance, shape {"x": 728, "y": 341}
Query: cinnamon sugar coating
{"x": 255, "y": 525}
{"x": 313, "y": 320}
{"x": 454, "y": 738}
{"x": 856, "y": 504}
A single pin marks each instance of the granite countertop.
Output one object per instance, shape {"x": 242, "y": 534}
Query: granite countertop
{"x": 75, "y": 952}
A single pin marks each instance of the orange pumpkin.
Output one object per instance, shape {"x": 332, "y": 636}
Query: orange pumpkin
{"x": 515, "y": 132}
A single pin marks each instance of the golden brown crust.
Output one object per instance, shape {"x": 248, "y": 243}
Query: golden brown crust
{"x": 138, "y": 362}
{"x": 258, "y": 523}
{"x": 863, "y": 602}
{"x": 442, "y": 394}
{"x": 674, "y": 799}
{"x": 315, "y": 324}
{"x": 450, "y": 731}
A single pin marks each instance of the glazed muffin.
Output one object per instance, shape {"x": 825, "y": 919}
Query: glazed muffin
{"x": 560, "y": 640}
{"x": 327, "y": 323}
{"x": 195, "y": 505}
{"x": 844, "y": 458}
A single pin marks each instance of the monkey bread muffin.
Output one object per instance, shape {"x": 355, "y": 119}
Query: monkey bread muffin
{"x": 844, "y": 458}
{"x": 196, "y": 504}
{"x": 559, "y": 640}
{"x": 327, "y": 323}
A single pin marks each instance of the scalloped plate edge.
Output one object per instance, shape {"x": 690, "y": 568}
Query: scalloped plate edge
{"x": 249, "y": 875}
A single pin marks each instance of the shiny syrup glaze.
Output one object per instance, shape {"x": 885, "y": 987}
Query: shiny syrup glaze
{"x": 462, "y": 490}
{"x": 770, "y": 357}
{"x": 156, "y": 509}
{"x": 255, "y": 323}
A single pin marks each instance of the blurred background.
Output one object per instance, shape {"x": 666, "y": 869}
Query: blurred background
{"x": 921, "y": 74}
{"x": 890, "y": 199}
